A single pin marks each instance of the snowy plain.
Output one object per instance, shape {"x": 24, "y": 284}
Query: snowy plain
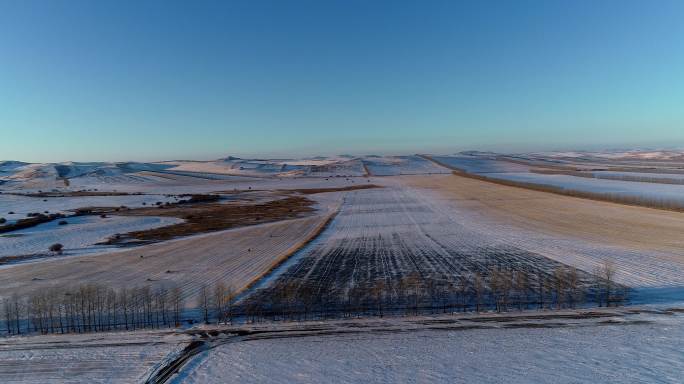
{"x": 23, "y": 205}
{"x": 117, "y": 357}
{"x": 401, "y": 165}
{"x": 397, "y": 216}
{"x": 654, "y": 191}
{"x": 644, "y": 351}
{"x": 80, "y": 235}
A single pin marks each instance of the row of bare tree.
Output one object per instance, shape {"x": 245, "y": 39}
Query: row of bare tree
{"x": 499, "y": 289}
{"x": 96, "y": 308}
{"x": 92, "y": 308}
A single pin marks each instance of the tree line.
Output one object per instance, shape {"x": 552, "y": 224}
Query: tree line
{"x": 98, "y": 308}
{"x": 500, "y": 289}
{"x": 92, "y": 308}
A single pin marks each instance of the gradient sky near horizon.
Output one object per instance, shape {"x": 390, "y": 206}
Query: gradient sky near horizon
{"x": 152, "y": 80}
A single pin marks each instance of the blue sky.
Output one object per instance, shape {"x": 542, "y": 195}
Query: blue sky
{"x": 149, "y": 80}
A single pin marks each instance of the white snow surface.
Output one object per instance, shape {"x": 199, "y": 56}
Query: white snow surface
{"x": 421, "y": 219}
{"x": 608, "y": 353}
{"x": 22, "y": 205}
{"x": 653, "y": 191}
{"x": 646, "y": 176}
{"x": 480, "y": 164}
{"x": 402, "y": 165}
{"x": 121, "y": 357}
{"x": 79, "y": 236}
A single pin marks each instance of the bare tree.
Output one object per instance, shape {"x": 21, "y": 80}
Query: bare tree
{"x": 479, "y": 289}
{"x": 572, "y": 280}
{"x": 177, "y": 302}
{"x": 559, "y": 286}
{"x": 608, "y": 275}
{"x": 462, "y": 290}
{"x": 521, "y": 286}
{"x": 205, "y": 303}
{"x": 378, "y": 292}
{"x": 541, "y": 287}
{"x": 230, "y": 297}
{"x": 7, "y": 307}
{"x": 219, "y": 301}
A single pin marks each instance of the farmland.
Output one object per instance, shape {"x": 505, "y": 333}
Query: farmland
{"x": 644, "y": 243}
{"x": 392, "y": 244}
{"x": 236, "y": 257}
{"x": 647, "y": 350}
{"x": 344, "y": 241}
{"x": 109, "y": 358}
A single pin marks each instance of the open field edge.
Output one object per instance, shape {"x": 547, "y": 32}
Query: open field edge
{"x": 290, "y": 252}
{"x": 603, "y": 197}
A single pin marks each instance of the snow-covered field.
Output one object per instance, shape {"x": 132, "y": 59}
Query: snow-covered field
{"x": 386, "y": 236}
{"x": 412, "y": 226}
{"x": 675, "y": 178}
{"x": 401, "y": 165}
{"x": 480, "y": 164}
{"x": 646, "y": 351}
{"x": 79, "y": 236}
{"x": 651, "y": 191}
{"x": 658, "y": 188}
{"x": 23, "y": 205}
{"x": 628, "y": 345}
{"x": 636, "y": 267}
{"x": 121, "y": 357}
{"x": 235, "y": 257}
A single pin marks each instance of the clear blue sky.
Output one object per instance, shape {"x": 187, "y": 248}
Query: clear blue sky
{"x": 145, "y": 80}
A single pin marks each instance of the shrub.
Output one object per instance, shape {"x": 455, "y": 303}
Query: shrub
{"x": 57, "y": 247}
{"x": 3, "y": 220}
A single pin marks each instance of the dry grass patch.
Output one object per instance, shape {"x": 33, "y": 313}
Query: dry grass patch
{"x": 311, "y": 191}
{"x": 212, "y": 216}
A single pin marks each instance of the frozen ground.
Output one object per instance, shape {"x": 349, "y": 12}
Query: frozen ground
{"x": 379, "y": 234}
{"x": 236, "y": 257}
{"x": 651, "y": 191}
{"x": 616, "y": 345}
{"x": 575, "y": 232}
{"x": 79, "y": 236}
{"x": 122, "y": 357}
{"x": 386, "y": 234}
{"x": 401, "y": 165}
{"x": 675, "y": 178}
{"x": 646, "y": 350}
{"x": 22, "y": 205}
{"x": 656, "y": 187}
{"x": 480, "y": 164}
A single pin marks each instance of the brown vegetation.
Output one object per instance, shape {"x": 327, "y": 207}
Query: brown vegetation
{"x": 78, "y": 194}
{"x": 32, "y": 221}
{"x": 206, "y": 215}
{"x": 311, "y": 191}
